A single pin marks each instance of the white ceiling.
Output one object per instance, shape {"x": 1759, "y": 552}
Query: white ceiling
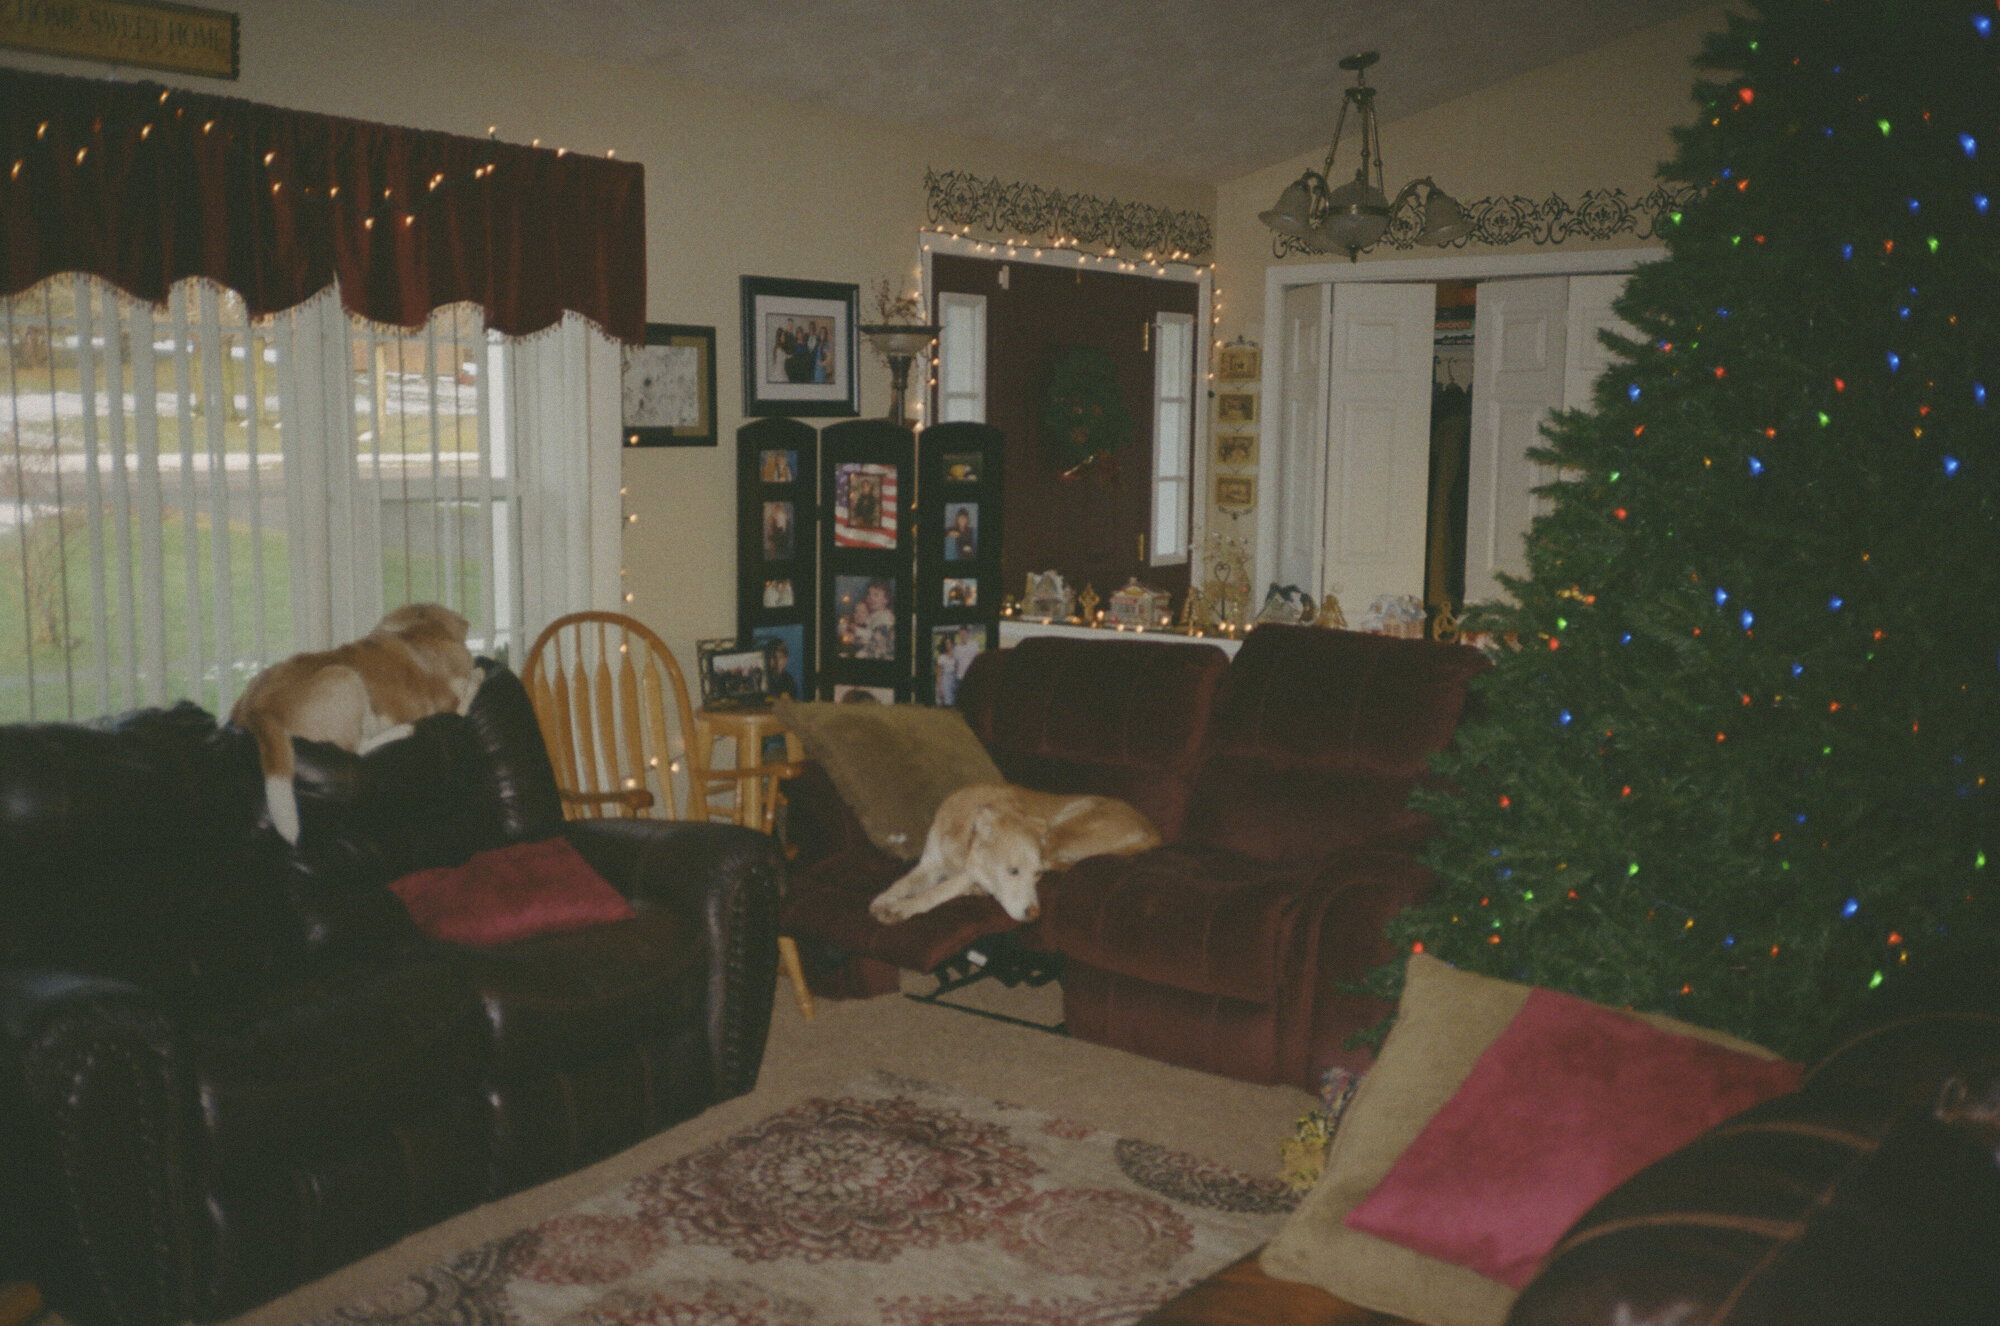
{"x": 1194, "y": 89}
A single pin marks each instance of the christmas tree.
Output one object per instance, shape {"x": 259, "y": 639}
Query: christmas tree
{"x": 1733, "y": 761}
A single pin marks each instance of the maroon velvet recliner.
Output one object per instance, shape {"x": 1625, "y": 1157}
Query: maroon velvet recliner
{"x": 1280, "y": 782}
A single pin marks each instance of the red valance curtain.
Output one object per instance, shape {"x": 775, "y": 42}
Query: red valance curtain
{"x": 145, "y": 186}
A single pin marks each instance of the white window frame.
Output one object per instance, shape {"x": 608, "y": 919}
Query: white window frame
{"x": 961, "y": 395}
{"x": 1174, "y": 411}
{"x": 514, "y": 476}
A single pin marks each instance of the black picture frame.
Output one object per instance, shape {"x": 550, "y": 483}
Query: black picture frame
{"x": 961, "y": 477}
{"x": 867, "y": 604}
{"x": 783, "y": 377}
{"x": 777, "y": 598}
{"x": 735, "y": 674}
{"x": 666, "y": 388}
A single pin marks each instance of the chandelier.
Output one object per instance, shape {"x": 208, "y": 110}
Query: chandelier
{"x": 1325, "y": 219}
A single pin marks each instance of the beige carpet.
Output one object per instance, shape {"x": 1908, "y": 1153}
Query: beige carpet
{"x": 1234, "y": 1123}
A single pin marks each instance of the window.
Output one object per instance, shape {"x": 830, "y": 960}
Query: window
{"x": 1173, "y": 435}
{"x": 189, "y": 494}
{"x": 961, "y": 358}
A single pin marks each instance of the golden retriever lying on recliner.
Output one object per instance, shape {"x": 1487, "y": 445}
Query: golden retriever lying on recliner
{"x": 996, "y": 838}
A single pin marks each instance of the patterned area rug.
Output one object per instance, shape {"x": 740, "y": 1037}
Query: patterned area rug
{"x": 894, "y": 1203}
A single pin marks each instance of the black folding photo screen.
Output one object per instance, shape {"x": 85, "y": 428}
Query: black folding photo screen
{"x": 958, "y": 530}
{"x": 777, "y": 543}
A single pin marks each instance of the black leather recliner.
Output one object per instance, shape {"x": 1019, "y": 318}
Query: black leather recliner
{"x": 228, "y": 1067}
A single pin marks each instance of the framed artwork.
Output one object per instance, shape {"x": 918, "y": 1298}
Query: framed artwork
{"x": 734, "y": 673}
{"x": 1238, "y": 363}
{"x": 867, "y": 596}
{"x": 1235, "y": 492}
{"x": 667, "y": 388}
{"x": 799, "y": 342}
{"x": 960, "y": 475}
{"x": 1235, "y": 448}
{"x": 777, "y": 540}
{"x": 864, "y": 505}
{"x": 1236, "y": 407}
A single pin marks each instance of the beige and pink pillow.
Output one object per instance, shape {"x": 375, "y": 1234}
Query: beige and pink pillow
{"x": 1495, "y": 1115}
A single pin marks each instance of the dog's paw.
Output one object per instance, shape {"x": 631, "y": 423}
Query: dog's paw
{"x": 888, "y": 913}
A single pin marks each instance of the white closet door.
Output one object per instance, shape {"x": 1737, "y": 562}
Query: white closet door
{"x": 1294, "y": 480}
{"x": 1378, "y": 441}
{"x": 1590, "y": 313}
{"x": 1518, "y": 366}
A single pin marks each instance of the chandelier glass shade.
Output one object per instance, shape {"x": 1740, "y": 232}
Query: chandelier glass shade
{"x": 1353, "y": 216}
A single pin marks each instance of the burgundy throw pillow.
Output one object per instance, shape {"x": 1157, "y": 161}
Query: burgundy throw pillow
{"x": 512, "y": 892}
{"x": 1570, "y": 1101}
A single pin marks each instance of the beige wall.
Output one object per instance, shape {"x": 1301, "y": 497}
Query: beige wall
{"x": 735, "y": 185}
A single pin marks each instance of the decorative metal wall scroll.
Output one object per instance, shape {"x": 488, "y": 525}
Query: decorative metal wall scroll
{"x": 1512, "y": 219}
{"x": 1053, "y": 216}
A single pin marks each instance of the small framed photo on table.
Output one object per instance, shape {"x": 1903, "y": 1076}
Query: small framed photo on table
{"x": 734, "y": 674}
{"x": 667, "y": 388}
{"x": 799, "y": 341}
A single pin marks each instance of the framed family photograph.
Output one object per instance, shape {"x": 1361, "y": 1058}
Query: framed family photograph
{"x": 667, "y": 388}
{"x": 733, "y": 673}
{"x": 864, "y": 505}
{"x": 799, "y": 341}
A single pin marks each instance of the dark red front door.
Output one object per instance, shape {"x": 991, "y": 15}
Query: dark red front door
{"x": 1089, "y": 526}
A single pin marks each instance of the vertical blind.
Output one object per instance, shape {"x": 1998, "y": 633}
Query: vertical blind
{"x": 189, "y": 493}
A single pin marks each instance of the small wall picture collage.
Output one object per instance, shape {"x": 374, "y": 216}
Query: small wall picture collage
{"x": 777, "y": 548}
{"x": 958, "y": 553}
{"x": 1238, "y": 368}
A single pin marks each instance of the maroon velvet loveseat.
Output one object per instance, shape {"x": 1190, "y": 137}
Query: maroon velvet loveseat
{"x": 1279, "y": 781}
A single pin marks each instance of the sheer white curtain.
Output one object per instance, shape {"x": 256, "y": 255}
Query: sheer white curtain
{"x": 187, "y": 494}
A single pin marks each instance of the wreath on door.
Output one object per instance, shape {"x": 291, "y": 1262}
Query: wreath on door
{"x": 1083, "y": 417}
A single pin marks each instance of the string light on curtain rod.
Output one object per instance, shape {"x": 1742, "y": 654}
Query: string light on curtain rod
{"x": 277, "y": 170}
{"x": 1353, "y": 216}
{"x": 1014, "y": 248}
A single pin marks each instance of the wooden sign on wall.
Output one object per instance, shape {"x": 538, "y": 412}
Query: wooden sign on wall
{"x": 182, "y": 38}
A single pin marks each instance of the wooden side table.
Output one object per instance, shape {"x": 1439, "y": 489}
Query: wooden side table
{"x": 747, "y": 730}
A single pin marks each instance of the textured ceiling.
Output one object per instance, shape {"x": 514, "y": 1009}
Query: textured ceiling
{"x": 1194, "y": 89}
